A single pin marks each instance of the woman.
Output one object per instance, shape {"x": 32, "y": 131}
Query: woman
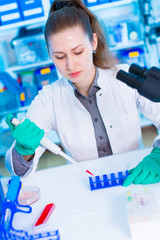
{"x": 93, "y": 113}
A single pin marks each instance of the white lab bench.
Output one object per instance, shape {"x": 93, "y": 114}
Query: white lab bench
{"x": 81, "y": 213}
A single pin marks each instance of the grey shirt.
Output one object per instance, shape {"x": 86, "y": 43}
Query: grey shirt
{"x": 90, "y": 103}
{"x": 21, "y": 166}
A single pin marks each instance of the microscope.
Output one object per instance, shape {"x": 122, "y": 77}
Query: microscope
{"x": 147, "y": 82}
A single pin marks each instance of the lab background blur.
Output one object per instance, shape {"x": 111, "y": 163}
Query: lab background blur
{"x": 132, "y": 30}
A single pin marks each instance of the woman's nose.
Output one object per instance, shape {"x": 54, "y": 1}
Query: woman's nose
{"x": 70, "y": 63}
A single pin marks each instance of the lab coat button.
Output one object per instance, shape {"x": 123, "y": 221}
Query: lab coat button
{"x": 100, "y": 94}
{"x": 110, "y": 126}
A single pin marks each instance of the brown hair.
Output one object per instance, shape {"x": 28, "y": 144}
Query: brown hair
{"x": 78, "y": 14}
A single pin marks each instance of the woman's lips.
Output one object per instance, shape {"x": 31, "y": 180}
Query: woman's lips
{"x": 75, "y": 74}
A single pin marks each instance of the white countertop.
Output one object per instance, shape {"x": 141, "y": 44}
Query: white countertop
{"x": 81, "y": 213}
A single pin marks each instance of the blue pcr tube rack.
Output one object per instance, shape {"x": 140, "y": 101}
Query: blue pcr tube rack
{"x": 108, "y": 180}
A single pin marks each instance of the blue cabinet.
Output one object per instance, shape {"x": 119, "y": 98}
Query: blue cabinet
{"x": 31, "y": 9}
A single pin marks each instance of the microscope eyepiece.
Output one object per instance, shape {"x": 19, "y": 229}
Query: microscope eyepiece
{"x": 154, "y": 72}
{"x": 138, "y": 71}
{"x": 147, "y": 82}
{"x": 129, "y": 79}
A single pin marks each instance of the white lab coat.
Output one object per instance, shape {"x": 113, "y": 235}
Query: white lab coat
{"x": 57, "y": 108}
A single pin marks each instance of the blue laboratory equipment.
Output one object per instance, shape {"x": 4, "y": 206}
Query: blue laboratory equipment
{"x": 10, "y": 205}
{"x": 108, "y": 180}
{"x": 45, "y": 76}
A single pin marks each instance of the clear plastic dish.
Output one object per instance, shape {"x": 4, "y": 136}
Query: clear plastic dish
{"x": 29, "y": 195}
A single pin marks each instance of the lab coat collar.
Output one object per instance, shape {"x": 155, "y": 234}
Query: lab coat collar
{"x": 104, "y": 76}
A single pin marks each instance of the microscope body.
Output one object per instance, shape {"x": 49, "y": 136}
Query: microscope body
{"x": 147, "y": 82}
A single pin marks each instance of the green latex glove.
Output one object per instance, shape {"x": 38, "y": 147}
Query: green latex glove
{"x": 27, "y": 134}
{"x": 147, "y": 171}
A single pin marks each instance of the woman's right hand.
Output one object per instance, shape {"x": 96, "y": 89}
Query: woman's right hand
{"x": 27, "y": 135}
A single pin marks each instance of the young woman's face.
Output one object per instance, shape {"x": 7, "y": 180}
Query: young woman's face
{"x": 72, "y": 54}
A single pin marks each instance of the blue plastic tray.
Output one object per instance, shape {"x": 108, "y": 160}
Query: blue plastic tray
{"x": 108, "y": 180}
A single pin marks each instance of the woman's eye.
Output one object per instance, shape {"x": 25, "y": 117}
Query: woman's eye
{"x": 77, "y": 53}
{"x": 59, "y": 57}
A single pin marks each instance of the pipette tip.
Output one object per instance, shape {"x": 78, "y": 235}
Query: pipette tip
{"x": 89, "y": 172}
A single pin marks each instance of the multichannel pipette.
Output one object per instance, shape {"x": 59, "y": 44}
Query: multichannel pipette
{"x": 46, "y": 143}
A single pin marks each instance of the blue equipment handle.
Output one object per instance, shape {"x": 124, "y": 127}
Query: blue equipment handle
{"x": 14, "y": 189}
{"x": 11, "y": 205}
{"x": 13, "y": 193}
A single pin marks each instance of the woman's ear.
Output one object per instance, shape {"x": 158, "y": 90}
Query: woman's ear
{"x": 95, "y": 41}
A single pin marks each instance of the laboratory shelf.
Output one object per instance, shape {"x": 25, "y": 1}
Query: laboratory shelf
{"x": 29, "y": 66}
{"x": 129, "y": 45}
{"x": 39, "y": 21}
{"x": 111, "y": 5}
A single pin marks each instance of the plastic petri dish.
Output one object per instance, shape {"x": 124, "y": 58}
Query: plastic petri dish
{"x": 29, "y": 195}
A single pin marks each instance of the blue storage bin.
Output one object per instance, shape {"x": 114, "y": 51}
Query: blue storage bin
{"x": 90, "y": 3}
{"x": 9, "y": 12}
{"x": 31, "y": 9}
{"x": 30, "y": 48}
{"x": 45, "y": 76}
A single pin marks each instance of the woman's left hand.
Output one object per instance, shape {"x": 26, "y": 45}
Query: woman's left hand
{"x": 147, "y": 171}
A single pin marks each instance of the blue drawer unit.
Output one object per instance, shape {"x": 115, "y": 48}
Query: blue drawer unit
{"x": 31, "y": 9}
{"x": 9, "y": 12}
